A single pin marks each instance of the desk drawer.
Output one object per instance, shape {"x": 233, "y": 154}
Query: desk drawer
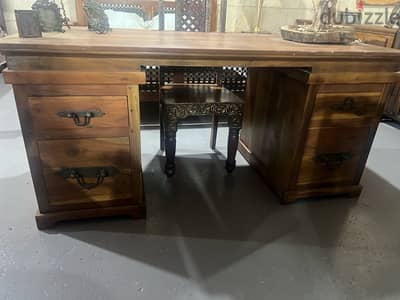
{"x": 333, "y": 108}
{"x": 78, "y": 112}
{"x": 90, "y": 172}
{"x": 332, "y": 156}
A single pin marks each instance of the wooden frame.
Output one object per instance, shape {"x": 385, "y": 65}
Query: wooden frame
{"x": 81, "y": 19}
{"x": 2, "y": 20}
{"x": 381, "y": 2}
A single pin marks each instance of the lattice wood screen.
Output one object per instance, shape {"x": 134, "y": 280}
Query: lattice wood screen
{"x": 234, "y": 79}
{"x": 192, "y": 75}
{"x": 191, "y": 15}
{"x": 152, "y": 79}
{"x": 230, "y": 77}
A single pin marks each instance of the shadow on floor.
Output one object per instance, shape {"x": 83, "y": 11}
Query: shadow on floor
{"x": 207, "y": 218}
{"x": 10, "y": 134}
{"x": 394, "y": 124}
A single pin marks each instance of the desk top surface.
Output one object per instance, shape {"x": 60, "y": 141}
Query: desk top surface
{"x": 140, "y": 43}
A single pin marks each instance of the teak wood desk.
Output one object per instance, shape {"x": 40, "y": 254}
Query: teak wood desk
{"x": 310, "y": 117}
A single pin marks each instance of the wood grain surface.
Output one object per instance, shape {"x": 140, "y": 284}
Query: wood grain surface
{"x": 45, "y": 111}
{"x": 136, "y": 43}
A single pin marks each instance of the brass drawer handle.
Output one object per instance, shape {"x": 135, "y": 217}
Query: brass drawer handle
{"x": 81, "y": 118}
{"x": 80, "y": 175}
{"x": 333, "y": 160}
{"x": 349, "y": 106}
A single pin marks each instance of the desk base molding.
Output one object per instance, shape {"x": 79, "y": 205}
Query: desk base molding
{"x": 288, "y": 197}
{"x": 48, "y": 220}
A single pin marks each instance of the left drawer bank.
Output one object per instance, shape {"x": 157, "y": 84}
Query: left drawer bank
{"x": 82, "y": 138}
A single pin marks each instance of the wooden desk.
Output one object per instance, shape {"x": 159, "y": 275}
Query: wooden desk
{"x": 311, "y": 112}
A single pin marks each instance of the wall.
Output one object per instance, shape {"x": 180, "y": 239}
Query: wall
{"x": 241, "y": 14}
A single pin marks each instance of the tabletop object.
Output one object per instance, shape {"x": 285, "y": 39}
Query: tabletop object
{"x": 28, "y": 23}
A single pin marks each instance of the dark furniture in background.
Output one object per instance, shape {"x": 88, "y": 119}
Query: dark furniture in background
{"x": 389, "y": 38}
{"x": 191, "y": 91}
{"x": 147, "y": 9}
{"x": 378, "y": 35}
{"x": 3, "y": 32}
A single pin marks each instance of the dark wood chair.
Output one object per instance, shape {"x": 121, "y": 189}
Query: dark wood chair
{"x": 197, "y": 91}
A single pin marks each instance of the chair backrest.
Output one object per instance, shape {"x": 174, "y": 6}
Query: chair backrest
{"x": 235, "y": 79}
{"x": 232, "y": 78}
{"x": 190, "y": 75}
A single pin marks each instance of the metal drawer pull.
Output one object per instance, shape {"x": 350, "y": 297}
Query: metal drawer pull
{"x": 80, "y": 175}
{"x": 81, "y": 118}
{"x": 349, "y": 106}
{"x": 333, "y": 160}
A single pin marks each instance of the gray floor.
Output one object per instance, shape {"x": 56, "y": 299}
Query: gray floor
{"x": 208, "y": 235}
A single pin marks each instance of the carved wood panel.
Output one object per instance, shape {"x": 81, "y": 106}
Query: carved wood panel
{"x": 191, "y": 15}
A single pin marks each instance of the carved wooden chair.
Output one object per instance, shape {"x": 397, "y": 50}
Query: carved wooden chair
{"x": 196, "y": 91}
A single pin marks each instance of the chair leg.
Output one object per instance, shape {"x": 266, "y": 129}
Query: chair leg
{"x": 233, "y": 142}
{"x": 170, "y": 149}
{"x": 214, "y": 131}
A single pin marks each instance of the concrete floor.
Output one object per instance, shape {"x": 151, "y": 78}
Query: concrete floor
{"x": 208, "y": 235}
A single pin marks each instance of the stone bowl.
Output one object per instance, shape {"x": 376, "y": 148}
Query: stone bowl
{"x": 304, "y": 34}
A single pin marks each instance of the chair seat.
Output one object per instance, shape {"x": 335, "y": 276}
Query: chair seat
{"x": 198, "y": 94}
{"x": 179, "y": 102}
